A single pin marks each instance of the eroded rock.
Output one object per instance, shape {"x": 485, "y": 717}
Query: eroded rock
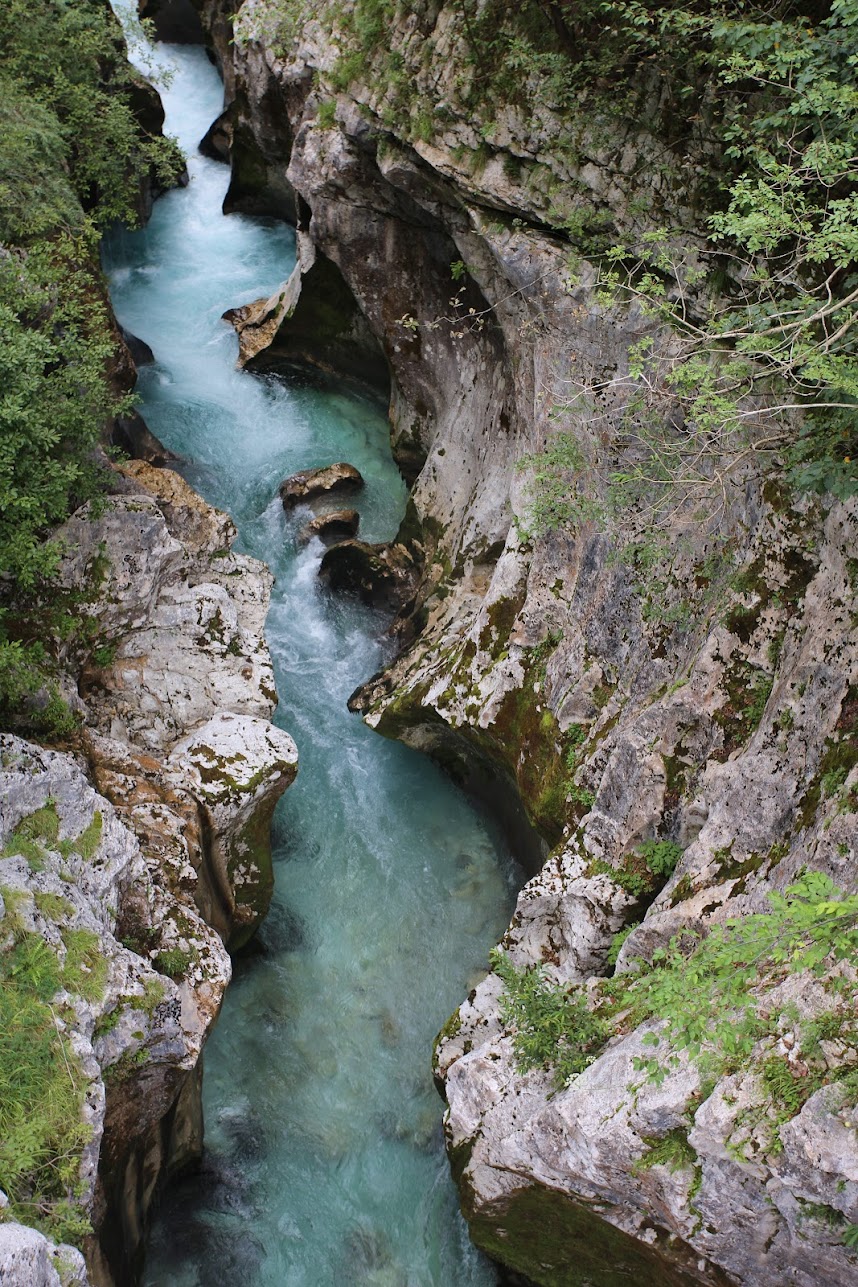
{"x": 313, "y": 484}
{"x": 73, "y": 872}
{"x": 178, "y": 689}
{"x": 28, "y": 1259}
{"x": 383, "y": 575}
{"x": 333, "y": 525}
{"x": 239, "y": 767}
{"x": 132, "y": 435}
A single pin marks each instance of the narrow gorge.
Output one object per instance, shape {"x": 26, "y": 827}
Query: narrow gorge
{"x": 572, "y": 286}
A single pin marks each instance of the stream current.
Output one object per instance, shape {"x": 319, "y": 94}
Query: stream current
{"x": 324, "y": 1160}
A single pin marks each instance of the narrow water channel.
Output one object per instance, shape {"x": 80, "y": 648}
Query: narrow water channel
{"x": 324, "y": 1159}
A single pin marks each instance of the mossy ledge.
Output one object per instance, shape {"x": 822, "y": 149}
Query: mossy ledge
{"x": 557, "y": 1242}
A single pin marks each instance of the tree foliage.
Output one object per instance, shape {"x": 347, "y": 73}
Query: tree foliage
{"x": 73, "y": 157}
{"x": 74, "y": 104}
{"x": 756, "y": 363}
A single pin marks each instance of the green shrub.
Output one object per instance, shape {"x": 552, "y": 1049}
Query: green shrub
{"x": 672, "y": 1150}
{"x": 72, "y": 159}
{"x": 552, "y": 1027}
{"x": 705, "y": 991}
{"x": 617, "y": 942}
{"x": 70, "y": 94}
{"x": 661, "y": 856}
{"x": 175, "y": 962}
{"x": 41, "y": 1084}
{"x": 326, "y": 116}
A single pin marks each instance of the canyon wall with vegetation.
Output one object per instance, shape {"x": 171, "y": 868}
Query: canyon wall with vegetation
{"x": 605, "y": 253}
{"x": 138, "y": 765}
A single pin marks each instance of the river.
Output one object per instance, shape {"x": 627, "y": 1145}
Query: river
{"x": 324, "y": 1159}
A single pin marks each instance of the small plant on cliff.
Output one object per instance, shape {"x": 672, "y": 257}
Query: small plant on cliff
{"x": 661, "y": 856}
{"x": 707, "y": 992}
{"x": 175, "y": 962}
{"x": 42, "y": 1088}
{"x": 552, "y": 1026}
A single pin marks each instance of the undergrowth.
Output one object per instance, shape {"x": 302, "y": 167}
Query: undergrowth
{"x": 706, "y": 992}
{"x": 42, "y": 1085}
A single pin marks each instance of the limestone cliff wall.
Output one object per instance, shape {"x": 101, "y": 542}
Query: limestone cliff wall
{"x": 709, "y": 703}
{"x": 173, "y": 779}
{"x": 134, "y": 858}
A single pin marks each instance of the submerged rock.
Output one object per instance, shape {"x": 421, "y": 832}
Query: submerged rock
{"x": 313, "y": 484}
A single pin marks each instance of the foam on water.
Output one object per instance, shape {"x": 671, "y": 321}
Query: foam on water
{"x": 324, "y": 1159}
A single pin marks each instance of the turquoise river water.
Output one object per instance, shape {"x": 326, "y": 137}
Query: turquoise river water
{"x": 324, "y": 1157}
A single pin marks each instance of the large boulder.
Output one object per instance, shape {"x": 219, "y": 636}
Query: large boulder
{"x": 313, "y": 484}
{"x": 29, "y": 1259}
{"x": 332, "y": 526}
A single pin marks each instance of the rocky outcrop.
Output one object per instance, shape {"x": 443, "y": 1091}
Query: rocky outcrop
{"x": 382, "y": 575}
{"x": 134, "y": 1018}
{"x": 311, "y": 322}
{"x": 154, "y": 838}
{"x": 696, "y": 693}
{"x": 133, "y": 436}
{"x": 749, "y": 813}
{"x": 27, "y": 1256}
{"x": 180, "y": 673}
{"x": 313, "y": 484}
{"x": 335, "y": 525}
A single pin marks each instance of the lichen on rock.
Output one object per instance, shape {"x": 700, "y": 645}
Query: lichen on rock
{"x": 677, "y": 716}
{"x": 168, "y": 860}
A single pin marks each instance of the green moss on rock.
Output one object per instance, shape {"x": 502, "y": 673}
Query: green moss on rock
{"x": 251, "y": 876}
{"x": 557, "y": 1242}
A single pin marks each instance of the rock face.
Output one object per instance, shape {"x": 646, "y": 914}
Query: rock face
{"x": 701, "y": 698}
{"x": 758, "y": 1177}
{"x": 173, "y": 20}
{"x": 137, "y": 1033}
{"x": 180, "y": 673}
{"x": 162, "y": 850}
{"x": 26, "y": 1256}
{"x": 312, "y": 323}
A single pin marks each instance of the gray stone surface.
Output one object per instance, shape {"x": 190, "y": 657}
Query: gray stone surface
{"x": 627, "y": 702}
{"x": 310, "y": 485}
{"x": 28, "y": 1259}
{"x": 178, "y": 757}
